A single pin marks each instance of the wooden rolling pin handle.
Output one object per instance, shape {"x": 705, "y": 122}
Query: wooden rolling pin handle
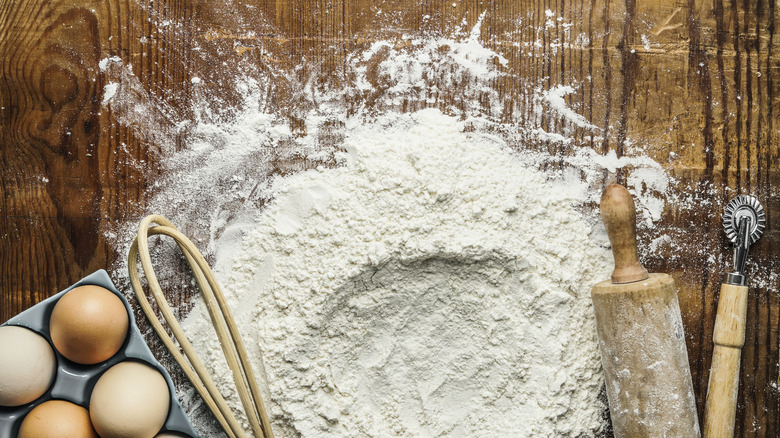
{"x": 729, "y": 337}
{"x": 619, "y": 216}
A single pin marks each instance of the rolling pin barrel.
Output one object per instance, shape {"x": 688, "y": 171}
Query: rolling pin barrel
{"x": 641, "y": 337}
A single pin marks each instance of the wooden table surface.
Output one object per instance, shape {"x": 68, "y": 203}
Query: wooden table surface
{"x": 700, "y": 100}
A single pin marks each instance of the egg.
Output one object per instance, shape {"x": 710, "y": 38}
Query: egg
{"x": 130, "y": 400}
{"x": 57, "y": 419}
{"x": 89, "y": 324}
{"x": 27, "y": 365}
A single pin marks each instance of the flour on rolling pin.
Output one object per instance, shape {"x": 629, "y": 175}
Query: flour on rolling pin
{"x": 641, "y": 337}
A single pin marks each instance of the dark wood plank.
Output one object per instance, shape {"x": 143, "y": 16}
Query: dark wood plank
{"x": 71, "y": 172}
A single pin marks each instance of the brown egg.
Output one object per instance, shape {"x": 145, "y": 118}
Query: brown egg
{"x": 89, "y": 324}
{"x": 57, "y": 419}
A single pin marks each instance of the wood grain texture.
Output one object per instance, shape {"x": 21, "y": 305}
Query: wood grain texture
{"x": 700, "y": 100}
{"x": 69, "y": 169}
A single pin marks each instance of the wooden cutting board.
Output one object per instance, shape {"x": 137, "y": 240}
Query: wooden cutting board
{"x": 700, "y": 100}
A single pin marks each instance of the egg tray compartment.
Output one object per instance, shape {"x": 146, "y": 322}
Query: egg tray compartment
{"x": 74, "y": 382}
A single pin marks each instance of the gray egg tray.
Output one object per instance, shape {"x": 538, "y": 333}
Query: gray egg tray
{"x": 74, "y": 382}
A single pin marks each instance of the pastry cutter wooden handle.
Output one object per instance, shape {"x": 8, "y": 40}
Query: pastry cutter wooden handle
{"x": 744, "y": 222}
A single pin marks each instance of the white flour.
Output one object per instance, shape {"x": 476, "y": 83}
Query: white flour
{"x": 434, "y": 285}
{"x": 436, "y": 282}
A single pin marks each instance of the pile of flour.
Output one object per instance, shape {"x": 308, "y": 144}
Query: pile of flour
{"x": 434, "y": 284}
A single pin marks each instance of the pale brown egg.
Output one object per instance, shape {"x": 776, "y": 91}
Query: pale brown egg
{"x": 130, "y": 400}
{"x": 27, "y": 365}
{"x": 89, "y": 324}
{"x": 57, "y": 419}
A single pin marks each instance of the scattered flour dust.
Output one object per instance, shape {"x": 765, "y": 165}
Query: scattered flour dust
{"x": 432, "y": 285}
{"x": 435, "y": 282}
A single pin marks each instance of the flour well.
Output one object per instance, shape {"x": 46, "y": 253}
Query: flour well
{"x": 433, "y": 285}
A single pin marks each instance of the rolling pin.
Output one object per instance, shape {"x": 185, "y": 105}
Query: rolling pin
{"x": 641, "y": 337}
{"x": 744, "y": 223}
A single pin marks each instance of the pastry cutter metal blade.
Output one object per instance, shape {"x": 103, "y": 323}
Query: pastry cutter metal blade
{"x": 744, "y": 221}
